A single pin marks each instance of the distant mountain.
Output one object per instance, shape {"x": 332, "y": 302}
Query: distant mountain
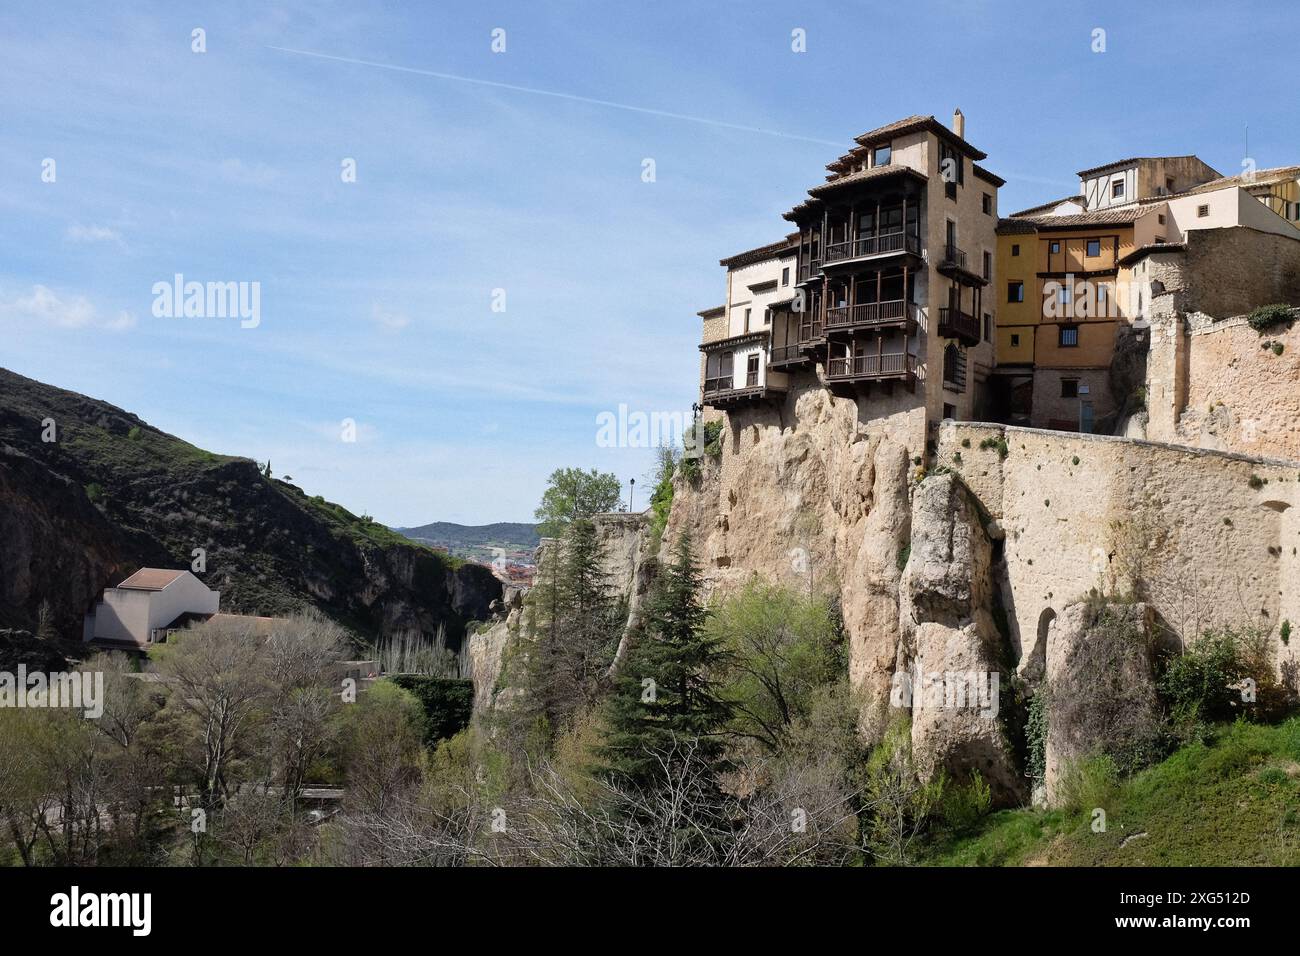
{"x": 111, "y": 493}
{"x": 512, "y": 540}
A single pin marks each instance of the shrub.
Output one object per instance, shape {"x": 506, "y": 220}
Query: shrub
{"x": 1089, "y": 783}
{"x": 1278, "y": 348}
{"x": 1195, "y": 685}
{"x": 134, "y": 433}
{"x": 1267, "y": 317}
{"x": 1256, "y": 482}
{"x": 713, "y": 439}
{"x": 966, "y": 804}
{"x": 94, "y": 491}
{"x": 999, "y": 443}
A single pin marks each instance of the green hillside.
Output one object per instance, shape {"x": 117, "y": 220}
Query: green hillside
{"x": 1232, "y": 799}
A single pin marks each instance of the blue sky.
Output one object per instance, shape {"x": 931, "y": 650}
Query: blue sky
{"x": 376, "y": 295}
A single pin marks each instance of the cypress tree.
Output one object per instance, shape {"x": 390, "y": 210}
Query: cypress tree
{"x": 665, "y": 697}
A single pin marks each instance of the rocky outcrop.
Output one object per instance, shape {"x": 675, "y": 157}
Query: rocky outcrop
{"x": 952, "y": 659}
{"x": 1100, "y": 686}
{"x": 484, "y": 652}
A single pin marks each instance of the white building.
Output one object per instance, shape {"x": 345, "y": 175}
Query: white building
{"x": 142, "y": 609}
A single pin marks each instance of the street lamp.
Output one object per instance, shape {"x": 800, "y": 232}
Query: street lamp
{"x": 631, "y": 486}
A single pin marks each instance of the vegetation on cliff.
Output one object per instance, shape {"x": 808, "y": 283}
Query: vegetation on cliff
{"x": 90, "y": 493}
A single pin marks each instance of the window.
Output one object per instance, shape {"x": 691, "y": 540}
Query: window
{"x": 1068, "y": 336}
{"x": 785, "y": 276}
{"x": 1015, "y": 340}
{"x": 883, "y": 154}
{"x": 952, "y": 169}
{"x": 1159, "y": 240}
{"x": 949, "y": 411}
{"x": 767, "y": 316}
{"x": 1054, "y": 246}
{"x": 748, "y": 312}
{"x": 1202, "y": 211}
{"x": 1117, "y": 189}
{"x": 1094, "y": 248}
{"x": 1101, "y": 299}
{"x": 988, "y": 327}
{"x": 1015, "y": 292}
{"x": 988, "y": 204}
{"x": 1065, "y": 296}
{"x": 988, "y": 265}
{"x": 1161, "y": 218}
{"x": 1169, "y": 184}
{"x": 1015, "y": 248}
{"x": 1069, "y": 388}
{"x": 751, "y": 371}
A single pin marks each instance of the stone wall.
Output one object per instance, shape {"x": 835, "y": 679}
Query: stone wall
{"x": 1212, "y": 538}
{"x": 1231, "y": 271}
{"x": 1237, "y": 393}
{"x": 1212, "y": 381}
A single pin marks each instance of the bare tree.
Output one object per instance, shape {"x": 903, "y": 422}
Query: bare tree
{"x": 219, "y": 676}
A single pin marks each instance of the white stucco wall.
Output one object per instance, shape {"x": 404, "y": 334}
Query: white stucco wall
{"x": 127, "y": 614}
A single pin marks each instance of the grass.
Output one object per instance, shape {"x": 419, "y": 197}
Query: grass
{"x": 1232, "y": 800}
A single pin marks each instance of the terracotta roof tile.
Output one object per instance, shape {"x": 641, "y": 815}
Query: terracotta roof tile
{"x": 151, "y": 579}
{"x": 770, "y": 251}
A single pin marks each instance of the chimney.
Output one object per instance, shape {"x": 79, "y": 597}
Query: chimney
{"x": 959, "y": 123}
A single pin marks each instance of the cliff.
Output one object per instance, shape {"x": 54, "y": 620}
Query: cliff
{"x": 110, "y": 493}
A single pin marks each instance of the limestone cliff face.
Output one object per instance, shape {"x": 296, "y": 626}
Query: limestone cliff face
{"x": 813, "y": 498}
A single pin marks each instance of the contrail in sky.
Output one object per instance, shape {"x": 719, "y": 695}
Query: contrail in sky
{"x": 565, "y": 96}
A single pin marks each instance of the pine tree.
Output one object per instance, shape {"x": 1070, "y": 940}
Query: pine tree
{"x": 575, "y": 629}
{"x": 665, "y": 698}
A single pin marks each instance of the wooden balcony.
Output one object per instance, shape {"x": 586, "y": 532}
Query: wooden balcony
{"x": 784, "y": 356}
{"x": 955, "y": 324}
{"x": 896, "y": 313}
{"x": 872, "y": 249}
{"x": 809, "y": 272}
{"x": 724, "y": 393}
{"x": 811, "y": 331}
{"x": 873, "y": 367}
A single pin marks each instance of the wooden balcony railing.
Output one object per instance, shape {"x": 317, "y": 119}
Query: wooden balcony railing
{"x": 872, "y": 365}
{"x": 889, "y": 243}
{"x": 784, "y": 354}
{"x": 954, "y": 324}
{"x": 722, "y": 383}
{"x": 809, "y": 269}
{"x": 870, "y": 313}
{"x": 810, "y": 328}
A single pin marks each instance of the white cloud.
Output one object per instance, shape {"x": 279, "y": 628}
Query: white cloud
{"x": 44, "y": 306}
{"x": 392, "y": 321}
{"x": 92, "y": 233}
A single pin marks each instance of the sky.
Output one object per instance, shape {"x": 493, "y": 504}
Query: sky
{"x": 500, "y": 272}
